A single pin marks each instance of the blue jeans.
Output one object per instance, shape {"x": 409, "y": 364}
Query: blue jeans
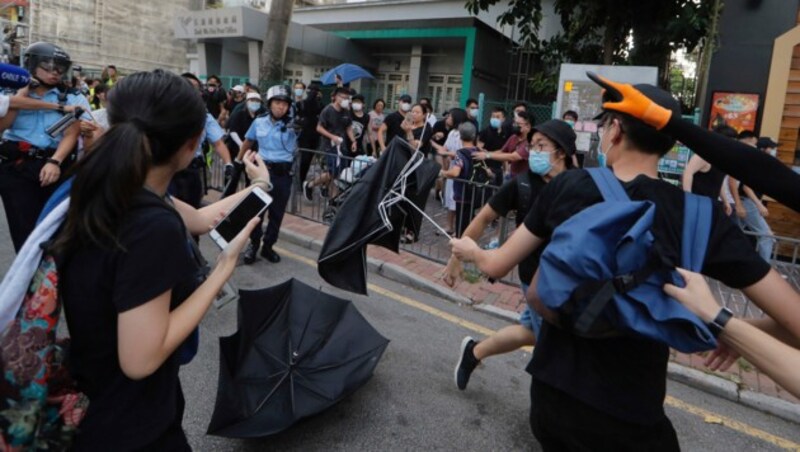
{"x": 529, "y": 318}
{"x": 757, "y": 224}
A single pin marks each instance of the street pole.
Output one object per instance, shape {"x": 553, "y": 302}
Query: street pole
{"x": 274, "y": 48}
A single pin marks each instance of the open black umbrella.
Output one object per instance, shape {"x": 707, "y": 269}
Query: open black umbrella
{"x": 388, "y": 198}
{"x": 298, "y": 351}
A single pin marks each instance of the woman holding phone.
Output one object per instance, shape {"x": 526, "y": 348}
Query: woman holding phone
{"x": 128, "y": 281}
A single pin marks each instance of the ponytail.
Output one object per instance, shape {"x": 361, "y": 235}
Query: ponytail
{"x": 106, "y": 181}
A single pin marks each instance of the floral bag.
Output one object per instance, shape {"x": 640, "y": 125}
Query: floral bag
{"x": 40, "y": 406}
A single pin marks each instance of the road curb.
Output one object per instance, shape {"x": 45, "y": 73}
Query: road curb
{"x": 730, "y": 390}
{"x": 500, "y": 313}
{"x": 385, "y": 269}
{"x": 697, "y": 379}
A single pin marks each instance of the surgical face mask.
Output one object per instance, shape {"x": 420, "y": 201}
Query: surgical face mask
{"x": 345, "y": 103}
{"x": 358, "y": 106}
{"x": 571, "y": 123}
{"x": 539, "y": 162}
{"x": 474, "y": 112}
{"x": 773, "y": 152}
{"x": 495, "y": 123}
{"x": 602, "y": 156}
{"x": 298, "y": 92}
{"x": 405, "y": 106}
{"x": 253, "y": 106}
{"x": 516, "y": 129}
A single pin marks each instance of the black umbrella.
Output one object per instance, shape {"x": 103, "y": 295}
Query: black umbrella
{"x": 298, "y": 351}
{"x": 388, "y": 198}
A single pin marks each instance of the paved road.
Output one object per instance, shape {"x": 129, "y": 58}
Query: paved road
{"x": 412, "y": 403}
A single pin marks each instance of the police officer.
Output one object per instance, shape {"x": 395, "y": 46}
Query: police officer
{"x": 31, "y": 161}
{"x": 277, "y": 146}
{"x": 187, "y": 185}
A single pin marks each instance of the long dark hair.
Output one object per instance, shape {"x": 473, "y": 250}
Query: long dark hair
{"x": 458, "y": 115}
{"x": 152, "y": 115}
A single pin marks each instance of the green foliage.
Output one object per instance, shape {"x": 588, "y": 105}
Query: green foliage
{"x": 639, "y": 32}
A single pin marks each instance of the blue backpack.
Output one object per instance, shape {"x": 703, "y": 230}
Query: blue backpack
{"x": 603, "y": 276}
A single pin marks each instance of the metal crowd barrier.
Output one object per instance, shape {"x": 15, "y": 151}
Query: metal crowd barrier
{"x": 431, "y": 244}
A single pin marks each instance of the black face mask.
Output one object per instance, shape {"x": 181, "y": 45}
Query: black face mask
{"x": 516, "y": 129}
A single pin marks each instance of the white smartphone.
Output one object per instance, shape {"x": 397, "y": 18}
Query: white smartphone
{"x": 255, "y": 203}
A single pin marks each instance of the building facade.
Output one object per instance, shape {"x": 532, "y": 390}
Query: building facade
{"x": 425, "y": 48}
{"x": 131, "y": 35}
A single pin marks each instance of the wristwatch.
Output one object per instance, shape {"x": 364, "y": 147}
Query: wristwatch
{"x": 718, "y": 324}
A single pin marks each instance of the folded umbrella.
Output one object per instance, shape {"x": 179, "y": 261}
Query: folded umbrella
{"x": 297, "y": 352}
{"x": 388, "y": 198}
{"x": 348, "y": 72}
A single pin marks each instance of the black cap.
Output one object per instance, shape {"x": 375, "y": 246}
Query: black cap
{"x": 560, "y": 132}
{"x": 765, "y": 143}
{"x": 657, "y": 95}
{"x": 405, "y": 98}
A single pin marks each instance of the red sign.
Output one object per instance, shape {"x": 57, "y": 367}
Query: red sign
{"x": 737, "y": 110}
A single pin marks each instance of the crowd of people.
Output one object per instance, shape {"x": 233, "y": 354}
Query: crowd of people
{"x": 134, "y": 287}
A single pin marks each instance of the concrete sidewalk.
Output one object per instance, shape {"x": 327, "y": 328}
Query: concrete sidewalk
{"x": 741, "y": 383}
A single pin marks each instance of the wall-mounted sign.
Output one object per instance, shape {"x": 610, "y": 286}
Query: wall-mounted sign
{"x": 737, "y": 110}
{"x": 210, "y": 23}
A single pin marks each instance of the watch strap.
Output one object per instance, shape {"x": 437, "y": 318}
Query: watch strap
{"x": 718, "y": 324}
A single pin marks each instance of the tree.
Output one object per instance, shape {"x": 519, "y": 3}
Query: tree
{"x": 639, "y": 32}
{"x": 274, "y": 48}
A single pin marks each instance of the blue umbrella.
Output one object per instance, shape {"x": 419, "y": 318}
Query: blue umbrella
{"x": 348, "y": 72}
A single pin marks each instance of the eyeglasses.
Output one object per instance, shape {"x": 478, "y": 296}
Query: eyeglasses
{"x": 52, "y": 66}
{"x": 212, "y": 85}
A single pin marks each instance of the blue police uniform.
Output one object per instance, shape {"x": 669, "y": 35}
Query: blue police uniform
{"x": 187, "y": 185}
{"x": 277, "y": 146}
{"x": 22, "y": 193}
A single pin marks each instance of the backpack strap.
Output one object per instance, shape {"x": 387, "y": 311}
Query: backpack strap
{"x": 697, "y": 218}
{"x": 608, "y": 184}
{"x": 524, "y": 192}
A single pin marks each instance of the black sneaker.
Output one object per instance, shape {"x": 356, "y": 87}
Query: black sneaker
{"x": 270, "y": 255}
{"x": 324, "y": 192}
{"x": 308, "y": 191}
{"x": 250, "y": 253}
{"x": 466, "y": 363}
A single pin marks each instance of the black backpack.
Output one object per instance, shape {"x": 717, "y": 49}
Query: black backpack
{"x": 476, "y": 177}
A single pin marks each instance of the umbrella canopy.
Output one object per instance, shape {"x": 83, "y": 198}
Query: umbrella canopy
{"x": 342, "y": 260}
{"x": 298, "y": 351}
{"x": 348, "y": 72}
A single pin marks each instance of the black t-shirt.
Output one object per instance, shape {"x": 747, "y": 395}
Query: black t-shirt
{"x": 360, "y": 129}
{"x": 626, "y": 376}
{"x": 394, "y": 127}
{"x": 708, "y": 183}
{"x": 336, "y": 122}
{"x": 425, "y": 147}
{"x": 213, "y": 101}
{"x": 240, "y": 122}
{"x": 519, "y": 194}
{"x": 440, "y": 126}
{"x": 493, "y": 140}
{"x": 97, "y": 285}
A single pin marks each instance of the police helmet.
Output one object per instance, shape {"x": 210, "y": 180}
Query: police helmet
{"x": 278, "y": 92}
{"x": 49, "y": 56}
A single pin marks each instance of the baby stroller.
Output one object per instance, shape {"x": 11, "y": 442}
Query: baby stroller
{"x": 347, "y": 178}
